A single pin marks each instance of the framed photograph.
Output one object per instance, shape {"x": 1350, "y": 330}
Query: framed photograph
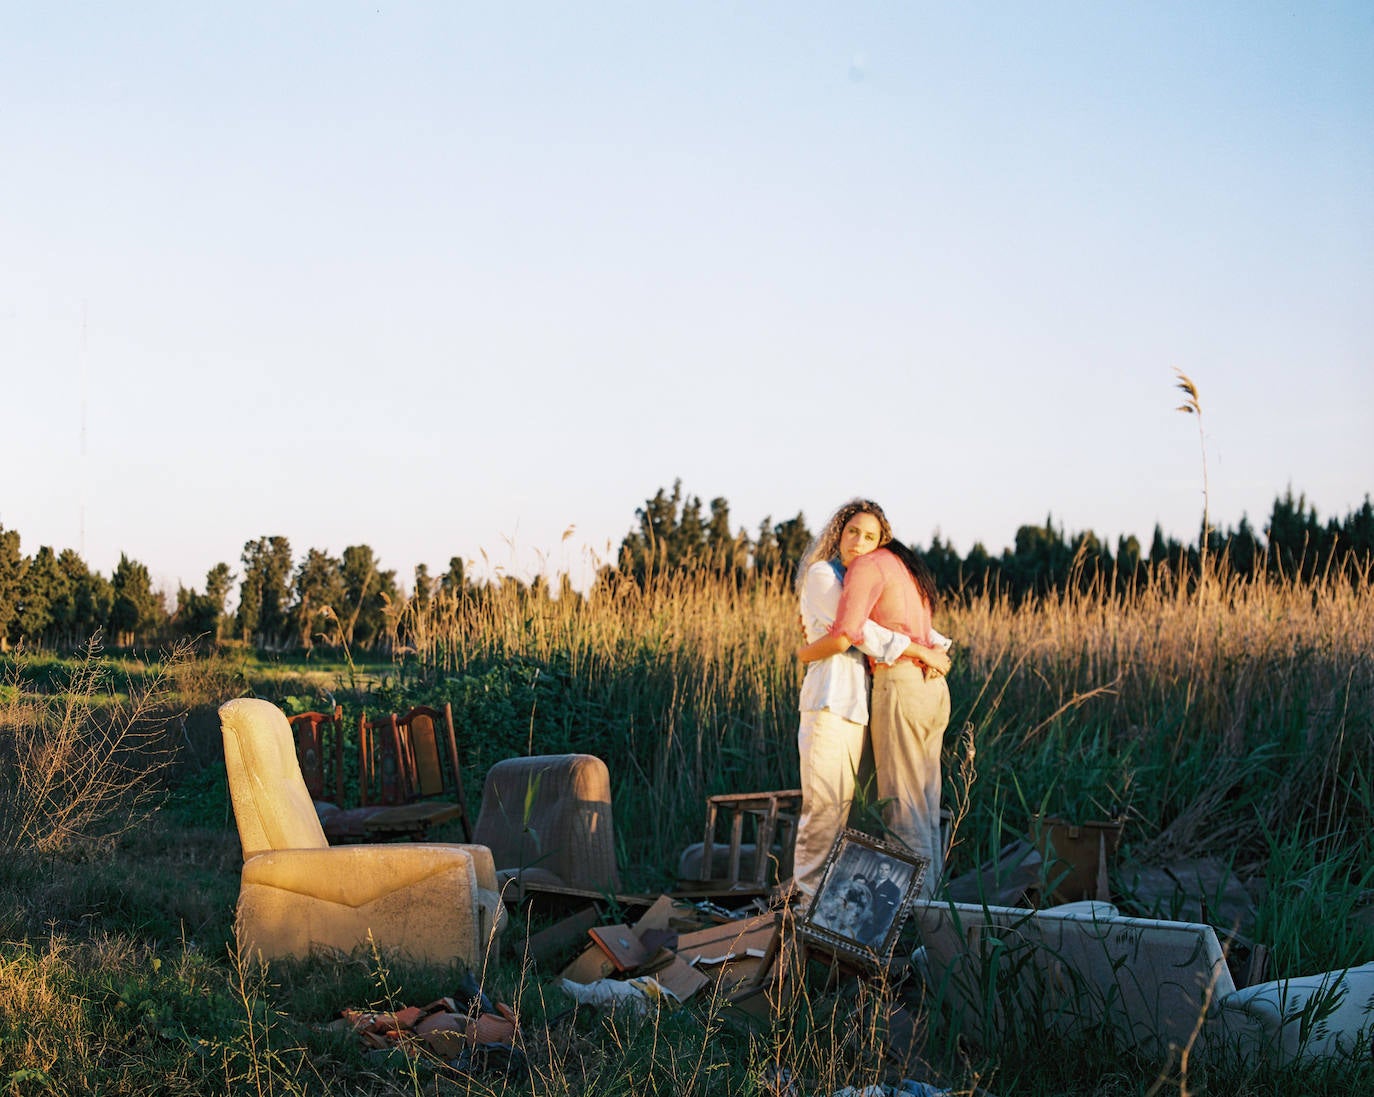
{"x": 864, "y": 895}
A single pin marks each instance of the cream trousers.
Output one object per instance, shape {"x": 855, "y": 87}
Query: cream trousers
{"x": 908, "y": 720}
{"x": 830, "y": 747}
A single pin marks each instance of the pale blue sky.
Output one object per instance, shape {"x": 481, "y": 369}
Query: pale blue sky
{"x": 450, "y": 278}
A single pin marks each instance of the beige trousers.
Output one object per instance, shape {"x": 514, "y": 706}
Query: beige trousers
{"x": 908, "y": 720}
{"x": 830, "y": 747}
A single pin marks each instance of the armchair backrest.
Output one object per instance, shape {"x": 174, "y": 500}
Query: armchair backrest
{"x": 272, "y": 806}
{"x": 551, "y": 812}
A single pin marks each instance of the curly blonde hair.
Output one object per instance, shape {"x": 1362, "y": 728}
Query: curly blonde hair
{"x": 827, "y": 542}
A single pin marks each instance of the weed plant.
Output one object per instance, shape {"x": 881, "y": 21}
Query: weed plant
{"x": 80, "y": 763}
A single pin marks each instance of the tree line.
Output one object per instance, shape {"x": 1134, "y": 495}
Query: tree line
{"x": 673, "y": 534}
{"x": 54, "y": 600}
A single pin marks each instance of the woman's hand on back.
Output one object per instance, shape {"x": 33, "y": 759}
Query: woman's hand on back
{"x": 937, "y": 662}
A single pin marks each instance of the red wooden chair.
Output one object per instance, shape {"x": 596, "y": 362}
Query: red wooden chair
{"x": 430, "y": 751}
{"x": 401, "y": 762}
{"x": 382, "y": 788}
{"x": 383, "y": 768}
{"x": 319, "y": 750}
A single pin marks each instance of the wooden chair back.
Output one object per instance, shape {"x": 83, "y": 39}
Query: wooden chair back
{"x": 430, "y": 748}
{"x": 319, "y": 750}
{"x": 384, "y": 766}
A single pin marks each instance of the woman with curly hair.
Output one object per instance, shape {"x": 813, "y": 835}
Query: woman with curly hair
{"x": 834, "y": 695}
{"x": 888, "y": 586}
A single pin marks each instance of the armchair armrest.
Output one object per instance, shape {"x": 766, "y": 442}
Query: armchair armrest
{"x": 1310, "y": 1017}
{"x": 483, "y": 863}
{"x": 490, "y": 888}
{"x": 354, "y": 876}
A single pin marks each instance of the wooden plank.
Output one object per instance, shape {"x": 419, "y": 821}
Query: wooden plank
{"x": 720, "y": 891}
{"x": 563, "y": 934}
{"x": 733, "y": 940}
{"x": 708, "y": 845}
{"x": 755, "y": 799}
{"x": 736, "y": 837}
{"x": 763, "y": 841}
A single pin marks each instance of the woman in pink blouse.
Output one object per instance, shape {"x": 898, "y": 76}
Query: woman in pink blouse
{"x": 910, "y": 706}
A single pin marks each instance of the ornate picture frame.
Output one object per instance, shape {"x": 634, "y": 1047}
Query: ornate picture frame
{"x": 864, "y": 896}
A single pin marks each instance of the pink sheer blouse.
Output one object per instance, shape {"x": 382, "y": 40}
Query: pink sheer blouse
{"x": 878, "y": 586}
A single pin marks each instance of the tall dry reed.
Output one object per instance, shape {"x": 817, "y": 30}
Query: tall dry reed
{"x": 1209, "y": 713}
{"x": 1201, "y": 688}
{"x": 686, "y": 686}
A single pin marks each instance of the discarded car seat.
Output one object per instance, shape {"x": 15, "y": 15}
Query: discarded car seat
{"x": 548, "y": 819}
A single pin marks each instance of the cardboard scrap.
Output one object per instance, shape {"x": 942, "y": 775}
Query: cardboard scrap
{"x": 747, "y": 937}
{"x": 659, "y": 937}
{"x": 659, "y": 916}
{"x": 591, "y": 965}
{"x": 656, "y": 939}
{"x": 680, "y": 977}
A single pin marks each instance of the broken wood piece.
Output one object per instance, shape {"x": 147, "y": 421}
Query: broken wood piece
{"x": 619, "y": 942}
{"x": 733, "y": 940}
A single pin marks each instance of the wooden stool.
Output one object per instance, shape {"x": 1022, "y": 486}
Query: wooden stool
{"x": 774, "y": 815}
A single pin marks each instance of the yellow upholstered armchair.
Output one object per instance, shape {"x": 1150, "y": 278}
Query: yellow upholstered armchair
{"x": 434, "y": 903}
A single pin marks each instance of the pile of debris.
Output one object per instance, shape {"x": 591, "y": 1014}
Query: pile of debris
{"x": 466, "y": 1033}
{"x": 750, "y": 962}
{"x": 673, "y": 951}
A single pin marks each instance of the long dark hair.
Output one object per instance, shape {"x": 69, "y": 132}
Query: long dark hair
{"x": 925, "y": 581}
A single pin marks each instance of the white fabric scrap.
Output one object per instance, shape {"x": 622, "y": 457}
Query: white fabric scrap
{"x": 639, "y": 993}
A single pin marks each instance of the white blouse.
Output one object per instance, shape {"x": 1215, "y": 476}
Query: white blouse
{"x": 840, "y": 683}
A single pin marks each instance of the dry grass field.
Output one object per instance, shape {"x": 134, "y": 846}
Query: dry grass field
{"x": 1220, "y": 719}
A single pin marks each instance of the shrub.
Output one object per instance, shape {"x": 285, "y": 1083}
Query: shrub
{"x": 81, "y": 765}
